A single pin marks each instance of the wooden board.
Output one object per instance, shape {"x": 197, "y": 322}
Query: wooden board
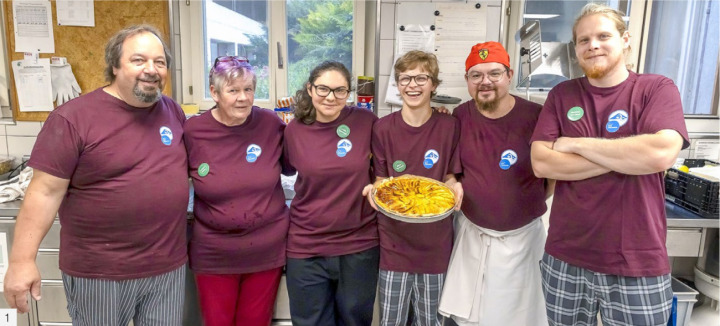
{"x": 84, "y": 47}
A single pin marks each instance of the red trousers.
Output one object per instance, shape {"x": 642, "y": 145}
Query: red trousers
{"x": 238, "y": 299}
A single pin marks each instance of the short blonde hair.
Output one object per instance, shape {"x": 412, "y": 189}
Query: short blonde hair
{"x": 614, "y": 15}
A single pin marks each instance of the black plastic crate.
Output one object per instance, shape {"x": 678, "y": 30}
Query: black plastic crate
{"x": 691, "y": 192}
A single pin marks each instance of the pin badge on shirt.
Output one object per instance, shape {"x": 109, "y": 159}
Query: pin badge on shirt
{"x": 252, "y": 153}
{"x": 399, "y": 166}
{"x": 508, "y": 159}
{"x": 203, "y": 169}
{"x": 343, "y": 131}
{"x": 431, "y": 157}
{"x": 344, "y": 146}
{"x": 616, "y": 120}
{"x": 166, "y": 135}
{"x": 575, "y": 113}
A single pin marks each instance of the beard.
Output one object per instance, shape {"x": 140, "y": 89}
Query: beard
{"x": 149, "y": 94}
{"x": 598, "y": 71}
{"x": 487, "y": 105}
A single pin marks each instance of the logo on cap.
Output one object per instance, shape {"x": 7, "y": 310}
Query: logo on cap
{"x": 483, "y": 54}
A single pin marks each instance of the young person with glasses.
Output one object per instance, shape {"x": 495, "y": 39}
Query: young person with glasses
{"x": 493, "y": 278}
{"x": 420, "y": 141}
{"x": 332, "y": 248}
{"x": 237, "y": 249}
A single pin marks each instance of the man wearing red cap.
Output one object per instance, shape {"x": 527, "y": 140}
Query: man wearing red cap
{"x": 607, "y": 137}
{"x": 493, "y": 278}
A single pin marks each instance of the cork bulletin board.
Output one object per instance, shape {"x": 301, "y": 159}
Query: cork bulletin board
{"x": 84, "y": 47}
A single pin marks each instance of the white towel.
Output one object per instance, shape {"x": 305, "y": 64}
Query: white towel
{"x": 15, "y": 187}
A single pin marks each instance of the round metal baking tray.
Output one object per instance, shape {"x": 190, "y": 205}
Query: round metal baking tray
{"x": 418, "y": 219}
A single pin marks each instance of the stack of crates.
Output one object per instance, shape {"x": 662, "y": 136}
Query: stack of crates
{"x": 696, "y": 194}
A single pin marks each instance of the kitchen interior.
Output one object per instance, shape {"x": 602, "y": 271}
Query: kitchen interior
{"x": 537, "y": 35}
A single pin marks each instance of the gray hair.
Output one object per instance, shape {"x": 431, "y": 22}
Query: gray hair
{"x": 113, "y": 49}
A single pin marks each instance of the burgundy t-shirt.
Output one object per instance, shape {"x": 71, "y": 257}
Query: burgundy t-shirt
{"x": 501, "y": 190}
{"x": 429, "y": 151}
{"x": 241, "y": 220}
{"x": 124, "y": 214}
{"x": 329, "y": 215}
{"x": 613, "y": 223}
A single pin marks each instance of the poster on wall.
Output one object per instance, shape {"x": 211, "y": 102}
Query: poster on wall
{"x": 33, "y": 27}
{"x": 409, "y": 37}
{"x": 33, "y": 85}
{"x": 75, "y": 13}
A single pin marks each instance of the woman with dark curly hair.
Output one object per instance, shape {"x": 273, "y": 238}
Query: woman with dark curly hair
{"x": 332, "y": 247}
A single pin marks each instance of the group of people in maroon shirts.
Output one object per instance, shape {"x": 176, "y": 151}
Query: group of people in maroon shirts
{"x": 488, "y": 264}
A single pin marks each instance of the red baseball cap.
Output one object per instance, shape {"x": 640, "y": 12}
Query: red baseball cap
{"x": 487, "y": 52}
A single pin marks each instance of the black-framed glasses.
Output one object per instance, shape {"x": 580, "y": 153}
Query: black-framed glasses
{"x": 340, "y": 93}
{"x": 420, "y": 80}
{"x": 493, "y": 76}
{"x": 230, "y": 58}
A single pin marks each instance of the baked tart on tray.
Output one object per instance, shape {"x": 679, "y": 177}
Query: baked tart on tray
{"x": 414, "y": 199}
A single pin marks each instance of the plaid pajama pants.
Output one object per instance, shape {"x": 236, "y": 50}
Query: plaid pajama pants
{"x": 400, "y": 289}
{"x": 574, "y": 295}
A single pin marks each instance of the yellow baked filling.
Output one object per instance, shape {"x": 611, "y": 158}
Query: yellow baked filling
{"x": 413, "y": 196}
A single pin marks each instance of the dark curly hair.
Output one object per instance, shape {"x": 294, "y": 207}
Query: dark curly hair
{"x": 304, "y": 109}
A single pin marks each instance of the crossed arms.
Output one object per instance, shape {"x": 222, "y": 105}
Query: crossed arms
{"x": 579, "y": 158}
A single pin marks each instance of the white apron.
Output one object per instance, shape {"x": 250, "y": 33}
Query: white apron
{"x": 494, "y": 277}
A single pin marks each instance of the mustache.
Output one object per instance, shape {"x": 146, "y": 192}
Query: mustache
{"x": 149, "y": 78}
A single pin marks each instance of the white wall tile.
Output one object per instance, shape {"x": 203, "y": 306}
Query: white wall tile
{"x": 19, "y": 146}
{"x": 387, "y": 21}
{"x": 385, "y": 58}
{"x": 4, "y": 148}
{"x": 384, "y": 112}
{"x": 23, "y": 128}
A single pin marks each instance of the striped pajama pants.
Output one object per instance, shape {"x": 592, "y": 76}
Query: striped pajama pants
{"x": 151, "y": 301}
{"x": 398, "y": 290}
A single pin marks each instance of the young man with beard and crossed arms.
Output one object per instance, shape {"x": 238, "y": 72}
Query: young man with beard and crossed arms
{"x": 493, "y": 278}
{"x": 607, "y": 138}
{"x": 112, "y": 164}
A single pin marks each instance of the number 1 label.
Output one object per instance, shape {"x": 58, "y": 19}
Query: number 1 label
{"x": 8, "y": 317}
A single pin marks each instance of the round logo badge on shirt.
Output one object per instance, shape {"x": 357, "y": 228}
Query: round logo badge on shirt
{"x": 399, "y": 166}
{"x": 616, "y": 120}
{"x": 343, "y": 131}
{"x": 252, "y": 153}
{"x": 575, "y": 113}
{"x": 508, "y": 159}
{"x": 203, "y": 169}
{"x": 166, "y": 135}
{"x": 430, "y": 158}
{"x": 344, "y": 146}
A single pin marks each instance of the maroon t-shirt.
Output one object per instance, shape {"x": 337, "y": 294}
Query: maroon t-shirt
{"x": 501, "y": 190}
{"x": 613, "y": 223}
{"x": 241, "y": 220}
{"x": 124, "y": 214}
{"x": 329, "y": 215}
{"x": 428, "y": 151}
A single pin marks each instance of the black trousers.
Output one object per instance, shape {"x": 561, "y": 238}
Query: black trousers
{"x": 336, "y": 290}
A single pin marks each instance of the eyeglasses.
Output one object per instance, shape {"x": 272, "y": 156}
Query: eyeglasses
{"x": 420, "y": 80}
{"x": 340, "y": 93}
{"x": 477, "y": 77}
{"x": 230, "y": 58}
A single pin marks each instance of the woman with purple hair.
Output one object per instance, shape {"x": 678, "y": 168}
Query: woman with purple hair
{"x": 237, "y": 247}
